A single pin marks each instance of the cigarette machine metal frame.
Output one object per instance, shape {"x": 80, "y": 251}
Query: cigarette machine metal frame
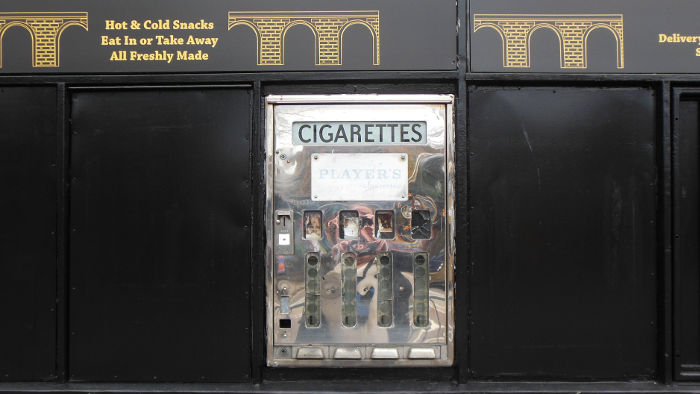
{"x": 360, "y": 282}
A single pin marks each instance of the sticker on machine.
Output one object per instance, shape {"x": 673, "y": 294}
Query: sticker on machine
{"x": 359, "y": 176}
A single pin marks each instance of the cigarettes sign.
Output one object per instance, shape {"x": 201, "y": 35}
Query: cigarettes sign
{"x": 359, "y": 133}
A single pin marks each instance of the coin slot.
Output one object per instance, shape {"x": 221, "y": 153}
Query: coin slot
{"x": 349, "y": 224}
{"x": 284, "y": 220}
{"x": 312, "y": 302}
{"x": 384, "y": 224}
{"x": 313, "y": 225}
{"x": 421, "y": 224}
{"x": 421, "y": 277}
{"x": 285, "y": 323}
{"x": 385, "y": 292}
{"x": 349, "y": 290}
{"x": 284, "y": 232}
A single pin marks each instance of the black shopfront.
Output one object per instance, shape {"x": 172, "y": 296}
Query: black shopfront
{"x": 134, "y": 165}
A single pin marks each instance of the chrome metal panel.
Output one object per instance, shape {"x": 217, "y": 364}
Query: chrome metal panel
{"x": 368, "y": 244}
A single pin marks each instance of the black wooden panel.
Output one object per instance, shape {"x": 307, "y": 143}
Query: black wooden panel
{"x": 160, "y": 235}
{"x": 563, "y": 233}
{"x": 27, "y": 233}
{"x": 687, "y": 251}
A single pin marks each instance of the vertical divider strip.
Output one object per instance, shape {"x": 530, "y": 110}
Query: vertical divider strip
{"x": 462, "y": 271}
{"x": 671, "y": 268}
{"x": 62, "y": 169}
{"x": 666, "y": 282}
{"x": 257, "y": 267}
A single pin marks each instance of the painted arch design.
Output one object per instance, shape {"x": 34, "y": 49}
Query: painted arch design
{"x": 45, "y": 30}
{"x": 572, "y": 31}
{"x": 328, "y": 27}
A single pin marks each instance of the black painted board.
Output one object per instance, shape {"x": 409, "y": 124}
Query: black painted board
{"x": 137, "y": 36}
{"x": 27, "y": 233}
{"x": 687, "y": 340}
{"x": 160, "y": 235}
{"x": 574, "y": 37}
{"x": 563, "y": 234}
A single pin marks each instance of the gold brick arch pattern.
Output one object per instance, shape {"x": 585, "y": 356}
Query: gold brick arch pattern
{"x": 572, "y": 31}
{"x": 45, "y": 29}
{"x": 328, "y": 27}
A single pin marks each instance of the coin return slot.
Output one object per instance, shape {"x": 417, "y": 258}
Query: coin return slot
{"x": 313, "y": 225}
{"x": 349, "y": 225}
{"x": 421, "y": 278}
{"x": 285, "y": 323}
{"x": 385, "y": 293}
{"x": 384, "y": 224}
{"x": 312, "y": 304}
{"x": 420, "y": 224}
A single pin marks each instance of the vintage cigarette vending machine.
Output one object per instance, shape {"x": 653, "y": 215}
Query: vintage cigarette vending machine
{"x": 360, "y": 227}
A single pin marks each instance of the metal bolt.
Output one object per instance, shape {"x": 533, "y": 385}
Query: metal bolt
{"x": 315, "y": 157}
{"x": 315, "y": 196}
{"x": 403, "y": 157}
{"x": 283, "y": 156}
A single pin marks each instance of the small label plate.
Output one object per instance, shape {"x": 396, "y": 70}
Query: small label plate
{"x": 359, "y": 176}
